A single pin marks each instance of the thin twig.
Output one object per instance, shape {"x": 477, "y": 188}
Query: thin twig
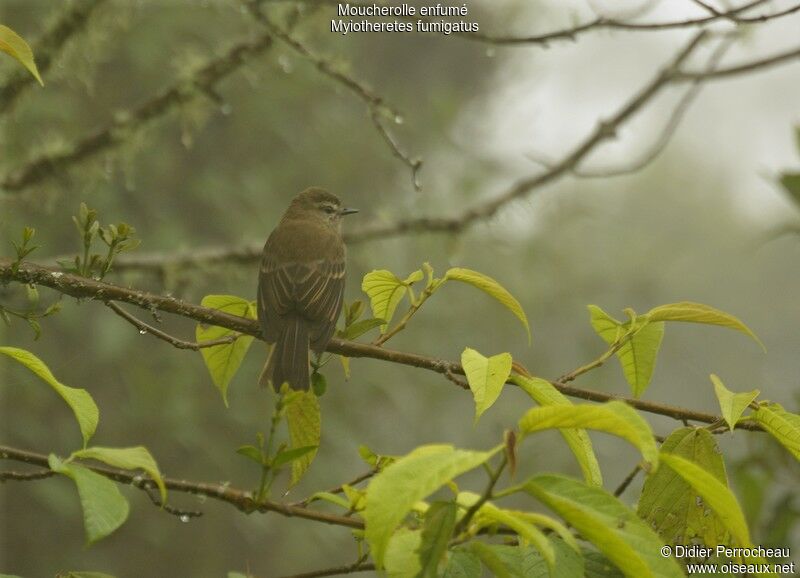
{"x": 337, "y": 489}
{"x": 174, "y": 341}
{"x": 184, "y": 515}
{"x": 758, "y": 64}
{"x": 376, "y": 104}
{"x": 627, "y": 481}
{"x": 494, "y": 476}
{"x": 359, "y": 565}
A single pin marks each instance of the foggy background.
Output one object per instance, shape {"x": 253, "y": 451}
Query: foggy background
{"x": 699, "y": 223}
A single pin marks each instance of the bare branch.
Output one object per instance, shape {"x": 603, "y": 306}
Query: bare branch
{"x": 672, "y": 124}
{"x": 241, "y": 499}
{"x": 47, "y": 48}
{"x": 83, "y": 287}
{"x": 204, "y": 81}
{"x": 26, "y": 476}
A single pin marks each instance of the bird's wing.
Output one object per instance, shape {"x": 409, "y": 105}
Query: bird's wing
{"x": 312, "y": 289}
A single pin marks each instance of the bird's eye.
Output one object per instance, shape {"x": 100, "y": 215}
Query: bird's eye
{"x": 328, "y": 209}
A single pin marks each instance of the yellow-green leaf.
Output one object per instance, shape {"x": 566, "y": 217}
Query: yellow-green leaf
{"x": 402, "y": 560}
{"x": 671, "y": 506}
{"x": 393, "y": 492}
{"x": 606, "y": 522}
{"x": 385, "y": 291}
{"x": 782, "y": 425}
{"x": 732, "y": 404}
{"x": 462, "y": 564}
{"x": 614, "y": 417}
{"x": 305, "y": 429}
{"x": 715, "y": 493}
{"x": 543, "y": 393}
{"x": 486, "y": 377}
{"x": 492, "y": 288}
{"x": 135, "y": 458}
{"x": 104, "y": 508}
{"x": 440, "y": 519}
{"x": 79, "y": 400}
{"x": 223, "y": 361}
{"x": 525, "y": 529}
{"x": 698, "y": 313}
{"x": 13, "y": 44}
{"x": 637, "y": 355}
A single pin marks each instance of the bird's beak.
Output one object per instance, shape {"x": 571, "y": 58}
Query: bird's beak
{"x": 346, "y": 211}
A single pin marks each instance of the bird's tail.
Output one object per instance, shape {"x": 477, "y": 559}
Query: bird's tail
{"x": 288, "y": 360}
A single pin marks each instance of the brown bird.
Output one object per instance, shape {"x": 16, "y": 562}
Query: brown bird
{"x": 300, "y": 285}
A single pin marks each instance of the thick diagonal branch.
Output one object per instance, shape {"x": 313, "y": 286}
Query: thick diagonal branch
{"x": 85, "y": 288}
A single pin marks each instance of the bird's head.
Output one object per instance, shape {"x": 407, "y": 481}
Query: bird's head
{"x": 318, "y": 204}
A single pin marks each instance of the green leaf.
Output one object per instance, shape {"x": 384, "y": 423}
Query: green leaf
{"x": 359, "y": 328}
{"x": 715, "y": 493}
{"x": 698, "y": 313}
{"x": 614, "y": 417}
{"x": 251, "y": 452}
{"x": 319, "y": 384}
{"x": 79, "y": 400}
{"x": 440, "y": 519}
{"x": 355, "y": 497}
{"x": 486, "y": 377}
{"x": 545, "y": 394}
{"x": 13, "y": 44}
{"x": 491, "y": 559}
{"x": 525, "y": 529}
{"x": 104, "y": 508}
{"x": 223, "y": 361}
{"x": 526, "y": 562}
{"x": 237, "y": 575}
{"x": 305, "y": 429}
{"x": 401, "y": 555}
{"x": 385, "y": 292}
{"x": 331, "y": 499}
{"x": 637, "y": 355}
{"x": 791, "y": 182}
{"x": 462, "y": 563}
{"x": 782, "y": 425}
{"x": 492, "y": 288}
{"x": 392, "y": 493}
{"x": 136, "y": 458}
{"x": 732, "y": 404}
{"x": 607, "y": 523}
{"x": 287, "y": 456}
{"x": 375, "y": 460}
{"x": 671, "y": 506}
{"x": 598, "y": 566}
